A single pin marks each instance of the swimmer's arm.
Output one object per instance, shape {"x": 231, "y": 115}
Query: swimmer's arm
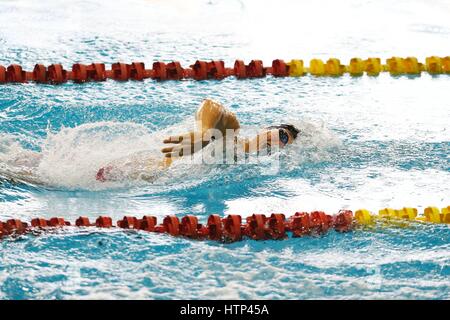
{"x": 213, "y": 120}
{"x": 185, "y": 144}
{"x": 256, "y": 144}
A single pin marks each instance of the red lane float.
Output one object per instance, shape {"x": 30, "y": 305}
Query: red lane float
{"x": 170, "y": 71}
{"x": 279, "y": 68}
{"x": 200, "y": 70}
{"x": 147, "y": 223}
{"x": 97, "y": 72}
{"x": 343, "y": 221}
{"x": 39, "y": 223}
{"x": 103, "y": 222}
{"x": 40, "y": 73}
{"x": 276, "y": 226}
{"x": 3, "y": 231}
{"x": 58, "y": 222}
{"x": 319, "y": 222}
{"x": 83, "y": 222}
{"x": 256, "y": 227}
{"x": 119, "y": 72}
{"x": 215, "y": 227}
{"x": 127, "y": 222}
{"x": 137, "y": 71}
{"x": 16, "y": 226}
{"x": 15, "y": 74}
{"x": 3, "y": 75}
{"x": 82, "y": 73}
{"x": 216, "y": 70}
{"x": 240, "y": 70}
{"x": 57, "y": 74}
{"x": 171, "y": 225}
{"x": 299, "y": 224}
{"x": 228, "y": 229}
{"x": 192, "y": 229}
{"x": 159, "y": 71}
{"x": 232, "y": 229}
{"x": 174, "y": 71}
{"x": 13, "y": 227}
{"x": 255, "y": 69}
{"x": 189, "y": 226}
{"x": 79, "y": 73}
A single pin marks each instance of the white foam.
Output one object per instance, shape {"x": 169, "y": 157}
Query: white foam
{"x": 71, "y": 157}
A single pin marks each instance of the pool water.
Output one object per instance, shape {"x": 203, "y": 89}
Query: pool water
{"x": 370, "y": 142}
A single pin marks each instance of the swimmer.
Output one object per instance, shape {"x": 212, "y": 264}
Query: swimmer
{"x": 213, "y": 121}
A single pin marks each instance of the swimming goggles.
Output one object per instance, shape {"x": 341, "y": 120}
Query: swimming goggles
{"x": 283, "y": 136}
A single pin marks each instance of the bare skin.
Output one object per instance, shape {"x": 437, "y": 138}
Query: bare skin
{"x": 210, "y": 115}
{"x": 213, "y": 115}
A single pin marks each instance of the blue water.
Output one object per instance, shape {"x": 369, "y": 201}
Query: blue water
{"x": 372, "y": 142}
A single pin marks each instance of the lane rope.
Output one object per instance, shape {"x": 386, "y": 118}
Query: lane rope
{"x": 232, "y": 228}
{"x": 204, "y": 70}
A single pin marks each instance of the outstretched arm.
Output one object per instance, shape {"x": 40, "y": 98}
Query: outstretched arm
{"x": 211, "y": 116}
{"x": 260, "y": 142}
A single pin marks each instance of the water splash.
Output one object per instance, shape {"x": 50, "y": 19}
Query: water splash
{"x": 71, "y": 157}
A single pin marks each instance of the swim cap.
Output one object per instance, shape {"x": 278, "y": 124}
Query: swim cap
{"x": 289, "y": 127}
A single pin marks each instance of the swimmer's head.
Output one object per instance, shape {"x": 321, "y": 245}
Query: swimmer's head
{"x": 287, "y": 133}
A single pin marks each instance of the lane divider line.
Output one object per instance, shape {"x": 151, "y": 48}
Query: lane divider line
{"x": 216, "y": 69}
{"x": 232, "y": 228}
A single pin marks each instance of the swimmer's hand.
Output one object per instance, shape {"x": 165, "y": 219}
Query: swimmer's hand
{"x": 184, "y": 145}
